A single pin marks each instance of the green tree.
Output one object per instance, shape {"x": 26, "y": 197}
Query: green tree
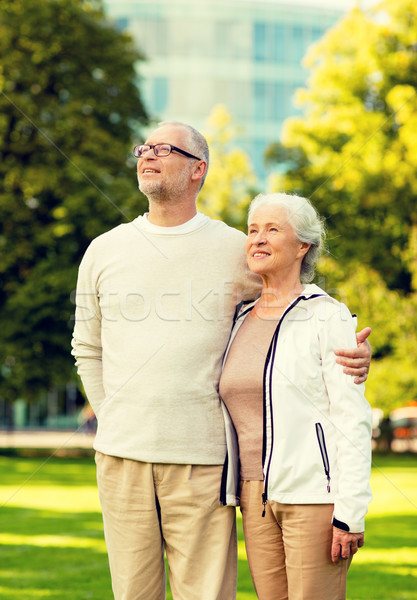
{"x": 353, "y": 150}
{"x": 353, "y": 153}
{"x": 392, "y": 382}
{"x": 69, "y": 105}
{"x": 230, "y": 184}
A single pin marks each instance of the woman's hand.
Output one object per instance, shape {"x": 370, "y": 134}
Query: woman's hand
{"x": 356, "y": 362}
{"x": 345, "y": 544}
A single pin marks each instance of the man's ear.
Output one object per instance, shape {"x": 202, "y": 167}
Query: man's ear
{"x": 199, "y": 171}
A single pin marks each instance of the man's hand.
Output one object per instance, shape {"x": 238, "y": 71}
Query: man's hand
{"x": 345, "y": 545}
{"x": 356, "y": 362}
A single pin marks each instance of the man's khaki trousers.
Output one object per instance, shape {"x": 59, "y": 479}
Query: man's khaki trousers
{"x": 149, "y": 509}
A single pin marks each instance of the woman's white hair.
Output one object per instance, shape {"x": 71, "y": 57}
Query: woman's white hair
{"x": 306, "y": 222}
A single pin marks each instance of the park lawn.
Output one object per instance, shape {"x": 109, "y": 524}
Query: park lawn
{"x": 52, "y": 547}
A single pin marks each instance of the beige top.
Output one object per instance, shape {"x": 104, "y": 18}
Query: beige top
{"x": 155, "y": 306}
{"x": 241, "y": 387}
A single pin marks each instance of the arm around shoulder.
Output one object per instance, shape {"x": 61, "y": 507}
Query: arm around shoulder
{"x": 356, "y": 361}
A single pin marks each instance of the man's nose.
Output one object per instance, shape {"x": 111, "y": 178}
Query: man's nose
{"x": 149, "y": 153}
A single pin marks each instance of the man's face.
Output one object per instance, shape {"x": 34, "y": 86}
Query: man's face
{"x": 162, "y": 177}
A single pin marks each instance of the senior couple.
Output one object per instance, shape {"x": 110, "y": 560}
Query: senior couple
{"x": 194, "y": 420}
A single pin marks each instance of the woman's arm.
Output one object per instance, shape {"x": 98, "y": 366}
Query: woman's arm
{"x": 345, "y": 545}
{"x": 351, "y": 419}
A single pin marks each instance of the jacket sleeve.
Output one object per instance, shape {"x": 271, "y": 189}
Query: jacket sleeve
{"x": 351, "y": 417}
{"x": 86, "y": 341}
{"x": 229, "y": 491}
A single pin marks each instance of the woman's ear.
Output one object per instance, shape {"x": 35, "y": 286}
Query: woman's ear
{"x": 304, "y": 248}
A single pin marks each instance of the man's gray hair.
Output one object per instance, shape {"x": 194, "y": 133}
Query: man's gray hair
{"x": 197, "y": 143}
{"x": 306, "y": 222}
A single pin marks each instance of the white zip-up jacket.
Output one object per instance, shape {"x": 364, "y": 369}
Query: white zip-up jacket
{"x": 317, "y": 422}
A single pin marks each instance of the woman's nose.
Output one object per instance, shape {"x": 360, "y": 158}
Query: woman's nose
{"x": 260, "y": 238}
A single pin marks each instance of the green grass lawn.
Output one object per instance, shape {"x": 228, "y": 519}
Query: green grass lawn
{"x": 52, "y": 547}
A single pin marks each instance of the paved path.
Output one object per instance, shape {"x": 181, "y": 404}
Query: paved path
{"x": 46, "y": 439}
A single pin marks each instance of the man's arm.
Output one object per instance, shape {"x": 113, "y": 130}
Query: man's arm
{"x": 356, "y": 362}
{"x": 86, "y": 341}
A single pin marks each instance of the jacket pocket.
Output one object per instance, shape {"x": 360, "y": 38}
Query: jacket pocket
{"x": 323, "y": 451}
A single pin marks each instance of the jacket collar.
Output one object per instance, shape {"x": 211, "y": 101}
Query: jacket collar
{"x": 310, "y": 291}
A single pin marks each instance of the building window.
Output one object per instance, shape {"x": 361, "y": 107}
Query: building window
{"x": 259, "y": 147}
{"x": 272, "y": 101}
{"x": 298, "y": 45}
{"x": 280, "y": 101}
{"x": 151, "y": 36}
{"x": 122, "y": 23}
{"x": 317, "y": 33}
{"x": 280, "y": 43}
{"x": 259, "y": 42}
{"x": 259, "y": 95}
{"x": 160, "y": 94}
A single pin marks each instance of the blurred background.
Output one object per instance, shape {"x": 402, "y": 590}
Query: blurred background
{"x": 306, "y": 96}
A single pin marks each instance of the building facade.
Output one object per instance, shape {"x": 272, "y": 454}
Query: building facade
{"x": 244, "y": 54}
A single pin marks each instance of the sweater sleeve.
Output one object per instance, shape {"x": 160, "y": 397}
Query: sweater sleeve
{"x": 86, "y": 341}
{"x": 351, "y": 416}
{"x": 248, "y": 284}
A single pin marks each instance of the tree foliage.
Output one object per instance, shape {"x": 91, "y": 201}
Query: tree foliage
{"x": 392, "y": 381}
{"x": 68, "y": 107}
{"x": 230, "y": 184}
{"x": 353, "y": 151}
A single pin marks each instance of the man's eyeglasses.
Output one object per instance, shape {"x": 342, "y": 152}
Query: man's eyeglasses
{"x": 160, "y": 150}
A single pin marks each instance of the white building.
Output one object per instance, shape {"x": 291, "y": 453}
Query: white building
{"x": 245, "y": 54}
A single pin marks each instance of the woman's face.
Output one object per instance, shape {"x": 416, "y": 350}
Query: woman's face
{"x": 271, "y": 247}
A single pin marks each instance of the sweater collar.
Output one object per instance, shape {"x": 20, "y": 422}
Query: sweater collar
{"x": 189, "y": 226}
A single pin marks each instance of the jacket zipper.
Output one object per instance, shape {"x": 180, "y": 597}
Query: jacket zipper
{"x": 323, "y": 451}
{"x": 223, "y": 485}
{"x": 270, "y": 351}
{"x": 270, "y": 358}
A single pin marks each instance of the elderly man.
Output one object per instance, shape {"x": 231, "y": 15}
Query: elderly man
{"x": 155, "y": 305}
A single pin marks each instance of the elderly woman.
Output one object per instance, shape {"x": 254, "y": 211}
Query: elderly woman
{"x": 303, "y": 426}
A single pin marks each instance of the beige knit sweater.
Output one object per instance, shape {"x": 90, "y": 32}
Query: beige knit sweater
{"x": 153, "y": 317}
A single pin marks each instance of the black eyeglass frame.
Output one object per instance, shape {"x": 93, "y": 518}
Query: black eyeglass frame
{"x": 153, "y": 146}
